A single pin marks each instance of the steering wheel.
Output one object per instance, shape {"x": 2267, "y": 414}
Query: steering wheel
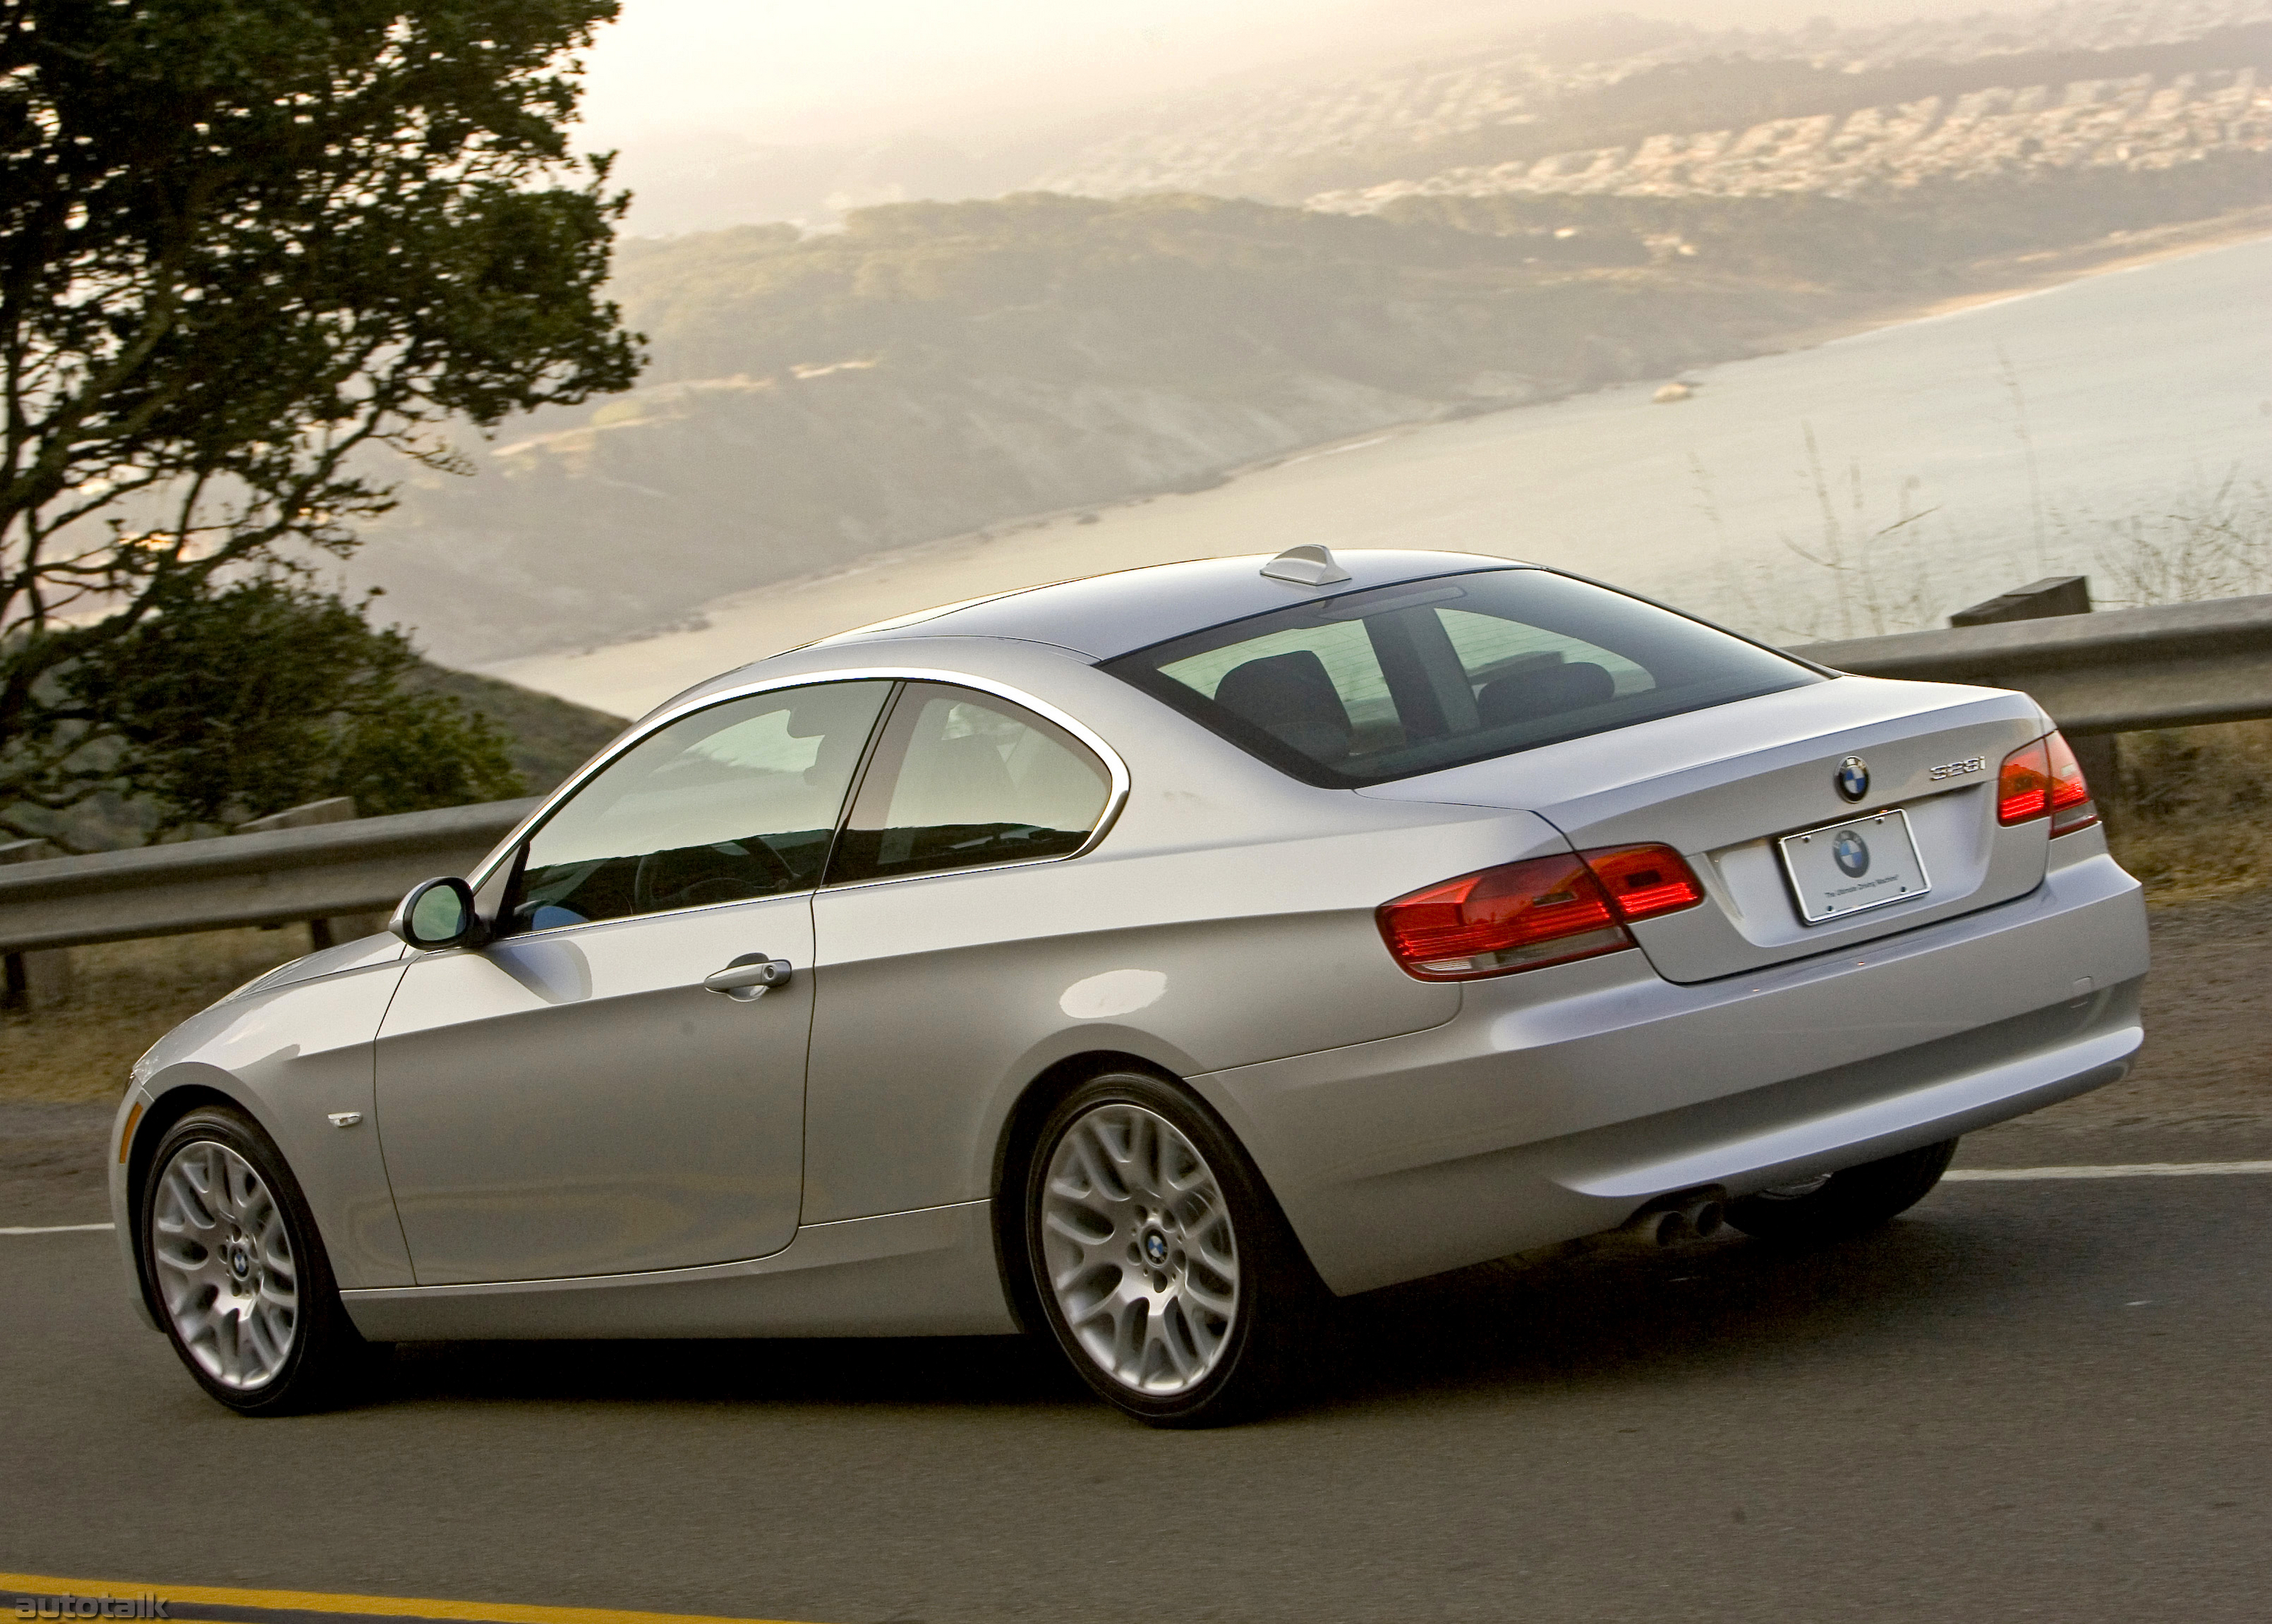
{"x": 690, "y": 877}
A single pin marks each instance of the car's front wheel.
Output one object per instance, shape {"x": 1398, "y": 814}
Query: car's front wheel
{"x": 1162, "y": 1265}
{"x": 238, "y": 1273}
{"x": 1844, "y": 1204}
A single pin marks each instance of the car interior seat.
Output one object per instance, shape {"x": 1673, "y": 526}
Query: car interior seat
{"x": 1291, "y": 697}
{"x": 1549, "y": 690}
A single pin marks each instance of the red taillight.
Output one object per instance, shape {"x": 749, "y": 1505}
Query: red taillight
{"x": 1644, "y": 880}
{"x": 2072, "y": 807}
{"x": 1517, "y": 916}
{"x": 1546, "y": 910}
{"x": 2023, "y": 784}
{"x": 2044, "y": 778}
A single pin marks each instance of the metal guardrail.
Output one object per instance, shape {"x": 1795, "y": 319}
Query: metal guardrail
{"x": 2115, "y": 671}
{"x": 270, "y": 878}
{"x": 2176, "y": 665}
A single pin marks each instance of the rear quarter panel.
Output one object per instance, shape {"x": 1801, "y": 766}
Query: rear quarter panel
{"x": 1227, "y": 919}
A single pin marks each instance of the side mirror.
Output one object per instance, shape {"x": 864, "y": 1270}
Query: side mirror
{"x": 437, "y": 914}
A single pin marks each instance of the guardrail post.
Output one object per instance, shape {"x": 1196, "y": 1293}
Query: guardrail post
{"x": 35, "y": 979}
{"x": 322, "y": 933}
{"x": 2037, "y": 601}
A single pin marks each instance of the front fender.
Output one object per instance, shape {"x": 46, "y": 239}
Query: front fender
{"x": 293, "y": 1058}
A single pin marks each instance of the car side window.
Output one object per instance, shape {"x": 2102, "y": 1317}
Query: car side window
{"x": 737, "y": 802}
{"x": 962, "y": 779}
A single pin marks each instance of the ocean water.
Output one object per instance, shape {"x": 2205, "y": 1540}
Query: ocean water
{"x": 1869, "y": 484}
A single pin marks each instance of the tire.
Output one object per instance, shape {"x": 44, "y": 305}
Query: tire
{"x": 1846, "y": 1203}
{"x": 238, "y": 1275}
{"x": 1160, "y": 1259}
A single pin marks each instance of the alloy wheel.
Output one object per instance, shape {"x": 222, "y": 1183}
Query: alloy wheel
{"x": 1137, "y": 1241}
{"x": 224, "y": 1266}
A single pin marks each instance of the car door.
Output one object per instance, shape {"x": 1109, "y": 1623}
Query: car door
{"x": 571, "y": 1098}
{"x": 937, "y": 928}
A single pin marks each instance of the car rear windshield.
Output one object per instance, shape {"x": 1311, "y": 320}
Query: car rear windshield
{"x": 1396, "y": 681}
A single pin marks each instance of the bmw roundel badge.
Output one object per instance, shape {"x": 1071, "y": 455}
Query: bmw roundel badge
{"x": 1853, "y": 778}
{"x": 1852, "y": 853}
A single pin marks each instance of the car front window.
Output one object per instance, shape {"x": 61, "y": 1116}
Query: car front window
{"x": 1397, "y": 680}
{"x": 737, "y": 802}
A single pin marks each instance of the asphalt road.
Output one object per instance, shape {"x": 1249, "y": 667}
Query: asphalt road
{"x": 2026, "y": 1400}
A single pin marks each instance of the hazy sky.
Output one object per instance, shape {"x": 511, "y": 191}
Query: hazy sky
{"x": 806, "y": 70}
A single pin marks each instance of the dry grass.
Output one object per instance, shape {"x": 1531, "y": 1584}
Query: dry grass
{"x": 2193, "y": 817}
{"x": 126, "y": 997}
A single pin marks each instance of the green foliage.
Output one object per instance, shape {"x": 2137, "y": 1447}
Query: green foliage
{"x": 545, "y": 737}
{"x": 243, "y": 242}
{"x": 266, "y": 695}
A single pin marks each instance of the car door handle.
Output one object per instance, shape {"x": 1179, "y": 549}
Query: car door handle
{"x": 749, "y": 978}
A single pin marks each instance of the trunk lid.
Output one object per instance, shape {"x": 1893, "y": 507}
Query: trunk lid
{"x": 1725, "y": 786}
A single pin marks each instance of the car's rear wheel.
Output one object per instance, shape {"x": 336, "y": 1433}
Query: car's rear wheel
{"x": 1845, "y": 1203}
{"x": 238, "y": 1274}
{"x": 1163, "y": 1267}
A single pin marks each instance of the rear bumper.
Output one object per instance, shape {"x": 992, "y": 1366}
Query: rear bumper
{"x": 1559, "y": 1102}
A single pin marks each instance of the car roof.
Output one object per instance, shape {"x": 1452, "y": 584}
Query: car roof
{"x": 1101, "y": 616}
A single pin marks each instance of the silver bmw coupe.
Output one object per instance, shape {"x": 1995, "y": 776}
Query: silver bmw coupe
{"x": 1142, "y": 961}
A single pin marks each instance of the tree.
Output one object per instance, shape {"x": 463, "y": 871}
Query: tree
{"x": 268, "y": 693}
{"x": 245, "y": 245}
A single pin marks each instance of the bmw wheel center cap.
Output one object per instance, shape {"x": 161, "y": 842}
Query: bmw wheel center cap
{"x": 1853, "y": 778}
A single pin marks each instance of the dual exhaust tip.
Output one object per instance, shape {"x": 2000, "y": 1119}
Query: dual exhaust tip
{"x": 1697, "y": 1218}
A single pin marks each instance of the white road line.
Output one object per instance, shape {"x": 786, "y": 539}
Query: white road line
{"x": 2127, "y": 1170}
{"x": 58, "y": 1229}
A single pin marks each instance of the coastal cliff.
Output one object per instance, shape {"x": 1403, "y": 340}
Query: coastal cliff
{"x": 935, "y": 369}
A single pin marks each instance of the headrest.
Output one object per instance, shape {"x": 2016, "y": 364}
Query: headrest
{"x": 1549, "y": 691}
{"x": 1291, "y": 697}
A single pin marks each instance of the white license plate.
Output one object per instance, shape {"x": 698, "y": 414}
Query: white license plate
{"x": 1843, "y": 868}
